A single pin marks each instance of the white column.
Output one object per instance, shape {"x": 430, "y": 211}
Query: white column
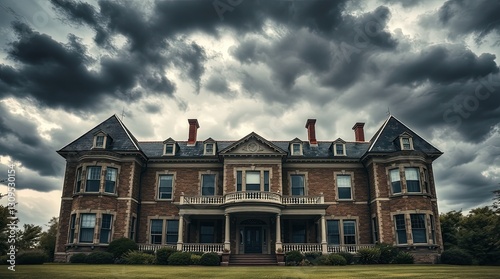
{"x": 324, "y": 244}
{"x": 278, "y": 232}
{"x": 227, "y": 243}
{"x": 181, "y": 233}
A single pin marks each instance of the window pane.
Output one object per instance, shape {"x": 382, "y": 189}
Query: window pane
{"x": 110, "y": 180}
{"x": 333, "y": 232}
{"x": 238, "y": 181}
{"x": 412, "y": 181}
{"x": 99, "y": 141}
{"x": 252, "y": 181}
{"x": 344, "y": 186}
{"x": 208, "y": 187}
{"x": 87, "y": 225}
{"x": 209, "y": 148}
{"x": 349, "y": 232}
{"x": 339, "y": 148}
{"x": 399, "y": 221}
{"x": 169, "y": 148}
{"x": 172, "y": 231}
{"x": 297, "y": 185}
{"x": 165, "y": 189}
{"x": 93, "y": 179}
{"x": 345, "y": 193}
{"x": 395, "y": 181}
{"x": 266, "y": 181}
{"x": 156, "y": 231}
{"x": 296, "y": 149}
{"x": 105, "y": 228}
{"x": 418, "y": 228}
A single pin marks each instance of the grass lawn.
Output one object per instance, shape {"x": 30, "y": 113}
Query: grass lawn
{"x": 53, "y": 271}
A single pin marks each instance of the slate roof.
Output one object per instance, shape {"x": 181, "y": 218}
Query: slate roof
{"x": 384, "y": 141}
{"x": 386, "y": 138}
{"x": 122, "y": 138}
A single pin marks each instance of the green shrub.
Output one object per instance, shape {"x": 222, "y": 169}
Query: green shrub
{"x": 31, "y": 257}
{"x": 99, "y": 257}
{"x": 387, "y": 253}
{"x": 137, "y": 257}
{"x": 78, "y": 258}
{"x": 179, "y": 258}
{"x": 195, "y": 259}
{"x": 312, "y": 256}
{"x": 403, "y": 258}
{"x": 294, "y": 257}
{"x": 149, "y": 252}
{"x": 336, "y": 259}
{"x": 349, "y": 257}
{"x": 210, "y": 259}
{"x": 368, "y": 255}
{"x": 162, "y": 255}
{"x": 120, "y": 246}
{"x": 456, "y": 256}
{"x": 323, "y": 260}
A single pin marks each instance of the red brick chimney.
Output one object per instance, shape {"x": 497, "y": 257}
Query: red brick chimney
{"x": 311, "y": 131}
{"x": 193, "y": 129}
{"x": 358, "y": 131}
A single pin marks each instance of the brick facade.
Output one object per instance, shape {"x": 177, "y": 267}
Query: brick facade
{"x": 365, "y": 218}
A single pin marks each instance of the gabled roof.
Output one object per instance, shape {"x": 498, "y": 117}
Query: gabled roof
{"x": 385, "y": 139}
{"x": 123, "y": 140}
{"x": 256, "y": 137}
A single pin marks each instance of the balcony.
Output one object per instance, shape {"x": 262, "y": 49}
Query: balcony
{"x": 254, "y": 197}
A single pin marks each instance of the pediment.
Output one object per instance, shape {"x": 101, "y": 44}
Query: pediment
{"x": 253, "y": 144}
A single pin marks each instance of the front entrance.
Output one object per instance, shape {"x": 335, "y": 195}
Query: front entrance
{"x": 253, "y": 240}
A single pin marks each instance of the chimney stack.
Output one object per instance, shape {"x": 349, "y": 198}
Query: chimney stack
{"x": 311, "y": 132}
{"x": 193, "y": 130}
{"x": 358, "y": 131}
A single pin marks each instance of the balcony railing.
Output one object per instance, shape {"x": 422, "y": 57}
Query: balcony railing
{"x": 186, "y": 247}
{"x": 154, "y": 247}
{"x": 350, "y": 248}
{"x": 264, "y": 197}
{"x": 302, "y": 247}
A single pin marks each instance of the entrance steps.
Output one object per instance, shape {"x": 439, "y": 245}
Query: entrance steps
{"x": 253, "y": 259}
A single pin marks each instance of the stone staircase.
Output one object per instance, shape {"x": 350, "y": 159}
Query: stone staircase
{"x": 253, "y": 259}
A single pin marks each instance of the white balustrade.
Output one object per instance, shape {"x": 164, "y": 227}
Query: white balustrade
{"x": 302, "y": 247}
{"x": 348, "y": 248}
{"x": 251, "y": 196}
{"x": 203, "y": 247}
{"x": 154, "y": 247}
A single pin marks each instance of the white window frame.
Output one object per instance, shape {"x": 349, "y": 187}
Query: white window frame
{"x": 165, "y": 149}
{"x": 417, "y": 169}
{"x": 109, "y": 229}
{"x": 244, "y": 176}
{"x": 292, "y": 149}
{"x": 202, "y": 180}
{"x": 88, "y": 228}
{"x": 158, "y": 196}
{"x": 410, "y": 142}
{"x": 104, "y": 140}
{"x": 335, "y": 149}
{"x": 351, "y": 183}
{"x": 164, "y": 228}
{"x": 115, "y": 181}
{"x": 205, "y": 149}
{"x": 304, "y": 186}
{"x": 341, "y": 220}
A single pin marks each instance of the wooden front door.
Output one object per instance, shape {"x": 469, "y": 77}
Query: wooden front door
{"x": 253, "y": 240}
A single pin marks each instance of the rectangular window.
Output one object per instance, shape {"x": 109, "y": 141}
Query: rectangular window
{"x": 156, "y": 231}
{"x": 297, "y": 185}
{"x": 239, "y": 176}
{"x": 207, "y": 233}
{"x": 169, "y": 149}
{"x": 208, "y": 184}
{"x": 349, "y": 232}
{"x": 209, "y": 149}
{"x": 165, "y": 187}
{"x": 406, "y": 143}
{"x": 412, "y": 181}
{"x": 375, "y": 229}
{"x": 252, "y": 182}
{"x": 99, "y": 141}
{"x": 132, "y": 228}
{"x": 333, "y": 232}
{"x": 172, "y": 231}
{"x": 433, "y": 229}
{"x": 87, "y": 225}
{"x": 110, "y": 180}
{"x": 266, "y": 181}
{"x": 344, "y": 187}
{"x": 299, "y": 232}
{"x": 339, "y": 149}
{"x": 399, "y": 222}
{"x": 395, "y": 181}
{"x": 418, "y": 228}
{"x": 105, "y": 235}
{"x": 296, "y": 149}
{"x": 78, "y": 184}
{"x": 93, "y": 179}
{"x": 72, "y": 224}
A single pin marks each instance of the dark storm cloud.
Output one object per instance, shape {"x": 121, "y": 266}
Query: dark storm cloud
{"x": 404, "y": 4}
{"x": 465, "y": 17}
{"x": 217, "y": 84}
{"x": 21, "y": 141}
{"x": 442, "y": 64}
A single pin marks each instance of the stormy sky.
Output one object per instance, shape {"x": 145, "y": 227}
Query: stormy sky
{"x": 240, "y": 66}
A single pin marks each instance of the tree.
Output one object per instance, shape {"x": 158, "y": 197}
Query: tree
{"x": 450, "y": 225}
{"x": 478, "y": 234}
{"x": 48, "y": 238}
{"x": 28, "y": 237}
{"x": 4, "y": 213}
{"x": 496, "y": 201}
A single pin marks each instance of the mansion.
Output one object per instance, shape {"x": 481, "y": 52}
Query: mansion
{"x": 250, "y": 195}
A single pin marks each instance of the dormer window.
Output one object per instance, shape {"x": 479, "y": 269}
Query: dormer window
{"x": 169, "y": 147}
{"x": 406, "y": 142}
{"x": 100, "y": 140}
{"x": 296, "y": 149}
{"x": 339, "y": 149}
{"x": 209, "y": 149}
